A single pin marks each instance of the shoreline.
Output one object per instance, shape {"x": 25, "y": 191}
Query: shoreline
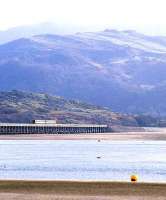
{"x": 83, "y": 189}
{"x": 107, "y": 136}
{"x": 58, "y": 190}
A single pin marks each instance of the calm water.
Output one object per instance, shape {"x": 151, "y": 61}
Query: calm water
{"x": 78, "y": 160}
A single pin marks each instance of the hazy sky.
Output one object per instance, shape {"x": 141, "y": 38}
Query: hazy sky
{"x": 143, "y": 15}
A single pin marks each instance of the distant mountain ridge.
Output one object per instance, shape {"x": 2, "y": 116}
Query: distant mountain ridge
{"x": 27, "y": 31}
{"x": 123, "y": 70}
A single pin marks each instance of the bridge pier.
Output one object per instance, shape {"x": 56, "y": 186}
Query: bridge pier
{"x": 51, "y": 129}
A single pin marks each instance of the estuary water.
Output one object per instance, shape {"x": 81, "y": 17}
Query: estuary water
{"x": 105, "y": 160}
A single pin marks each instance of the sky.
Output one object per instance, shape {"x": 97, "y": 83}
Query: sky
{"x": 146, "y": 16}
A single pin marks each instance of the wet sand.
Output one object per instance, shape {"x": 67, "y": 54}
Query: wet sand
{"x": 80, "y": 190}
{"x": 107, "y": 136}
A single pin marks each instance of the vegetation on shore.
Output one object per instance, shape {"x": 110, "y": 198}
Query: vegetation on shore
{"x": 19, "y": 106}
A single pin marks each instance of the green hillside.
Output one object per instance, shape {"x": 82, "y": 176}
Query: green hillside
{"x": 17, "y": 106}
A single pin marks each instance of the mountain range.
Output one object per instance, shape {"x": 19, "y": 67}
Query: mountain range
{"x": 42, "y": 28}
{"x": 122, "y": 70}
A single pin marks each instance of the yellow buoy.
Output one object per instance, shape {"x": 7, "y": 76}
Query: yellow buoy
{"x": 134, "y": 178}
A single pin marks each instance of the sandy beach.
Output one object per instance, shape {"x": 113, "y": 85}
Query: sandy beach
{"x": 80, "y": 190}
{"x": 161, "y": 135}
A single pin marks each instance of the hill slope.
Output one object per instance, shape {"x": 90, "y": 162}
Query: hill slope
{"x": 123, "y": 70}
{"x": 16, "y": 106}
